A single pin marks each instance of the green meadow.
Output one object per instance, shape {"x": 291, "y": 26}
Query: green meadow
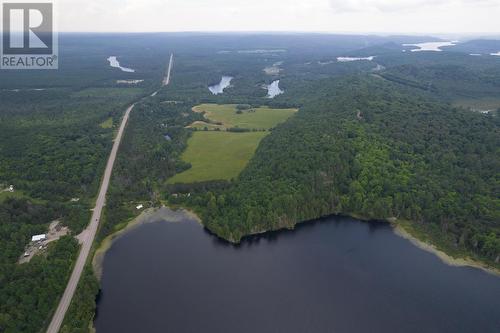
{"x": 217, "y": 155}
{"x": 108, "y": 123}
{"x": 253, "y": 118}
{"x": 202, "y": 125}
{"x": 5, "y": 194}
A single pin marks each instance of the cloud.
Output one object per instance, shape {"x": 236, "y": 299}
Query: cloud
{"x": 375, "y": 5}
{"x": 346, "y": 6}
{"x": 397, "y": 16}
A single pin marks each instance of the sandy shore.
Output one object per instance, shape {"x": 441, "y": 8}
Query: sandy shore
{"x": 447, "y": 259}
{"x": 147, "y": 216}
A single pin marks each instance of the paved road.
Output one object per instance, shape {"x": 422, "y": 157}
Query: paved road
{"x": 87, "y": 237}
{"x": 90, "y": 232}
{"x": 166, "y": 80}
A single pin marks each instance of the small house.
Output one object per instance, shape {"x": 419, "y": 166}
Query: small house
{"x": 140, "y": 206}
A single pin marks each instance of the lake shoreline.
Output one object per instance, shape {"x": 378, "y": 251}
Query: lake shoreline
{"x": 167, "y": 213}
{"x": 400, "y": 230}
{"x": 403, "y": 232}
{"x": 178, "y": 214}
{"x": 359, "y": 256}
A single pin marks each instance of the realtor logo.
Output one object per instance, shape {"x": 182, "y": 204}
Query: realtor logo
{"x": 28, "y": 40}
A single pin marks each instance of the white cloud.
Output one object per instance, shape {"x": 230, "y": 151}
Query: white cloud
{"x": 378, "y": 5}
{"x": 403, "y": 5}
{"x": 422, "y": 16}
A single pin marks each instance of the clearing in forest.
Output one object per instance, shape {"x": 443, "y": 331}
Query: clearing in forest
{"x": 241, "y": 116}
{"x": 217, "y": 154}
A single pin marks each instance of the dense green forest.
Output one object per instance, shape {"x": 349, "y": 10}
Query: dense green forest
{"x": 404, "y": 156}
{"x": 377, "y": 139}
{"x": 29, "y": 292}
{"x": 53, "y": 148}
{"x": 51, "y": 151}
{"x": 379, "y": 144}
{"x": 364, "y": 143}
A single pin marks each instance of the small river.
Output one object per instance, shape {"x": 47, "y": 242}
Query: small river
{"x": 223, "y": 84}
{"x": 333, "y": 275}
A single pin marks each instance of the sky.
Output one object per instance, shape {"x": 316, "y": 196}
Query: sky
{"x": 341, "y": 16}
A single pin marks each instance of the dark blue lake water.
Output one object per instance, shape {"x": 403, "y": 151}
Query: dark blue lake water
{"x": 333, "y": 275}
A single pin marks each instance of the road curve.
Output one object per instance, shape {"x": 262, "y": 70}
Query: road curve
{"x": 90, "y": 233}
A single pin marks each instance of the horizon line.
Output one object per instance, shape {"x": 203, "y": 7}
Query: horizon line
{"x": 284, "y": 32}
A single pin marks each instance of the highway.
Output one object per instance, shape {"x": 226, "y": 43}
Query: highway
{"x": 166, "y": 80}
{"x": 91, "y": 230}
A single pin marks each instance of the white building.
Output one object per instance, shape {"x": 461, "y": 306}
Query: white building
{"x": 38, "y": 238}
{"x": 140, "y": 207}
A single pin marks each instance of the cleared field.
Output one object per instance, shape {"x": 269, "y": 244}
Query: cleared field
{"x": 255, "y": 118}
{"x": 201, "y": 125}
{"x": 217, "y": 155}
{"x": 5, "y": 194}
{"x": 108, "y": 123}
{"x": 222, "y": 155}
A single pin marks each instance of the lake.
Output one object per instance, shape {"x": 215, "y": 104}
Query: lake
{"x": 430, "y": 46}
{"x": 113, "y": 62}
{"x": 274, "y": 90}
{"x": 350, "y": 59}
{"x": 223, "y": 84}
{"x": 333, "y": 275}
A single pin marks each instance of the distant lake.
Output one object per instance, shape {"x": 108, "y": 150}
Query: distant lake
{"x": 349, "y": 59}
{"x": 274, "y": 90}
{"x": 333, "y": 275}
{"x": 113, "y": 62}
{"x": 223, "y": 84}
{"x": 430, "y": 46}
{"x": 19, "y": 90}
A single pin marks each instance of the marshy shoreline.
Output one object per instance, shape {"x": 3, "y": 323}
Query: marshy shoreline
{"x": 175, "y": 215}
{"x": 443, "y": 256}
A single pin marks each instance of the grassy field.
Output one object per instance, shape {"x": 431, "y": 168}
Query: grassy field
{"x": 5, "y": 194}
{"x": 255, "y": 118}
{"x": 108, "y": 123}
{"x": 221, "y": 155}
{"x": 217, "y": 155}
{"x": 201, "y": 125}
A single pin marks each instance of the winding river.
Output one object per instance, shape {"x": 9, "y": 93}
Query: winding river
{"x": 333, "y": 275}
